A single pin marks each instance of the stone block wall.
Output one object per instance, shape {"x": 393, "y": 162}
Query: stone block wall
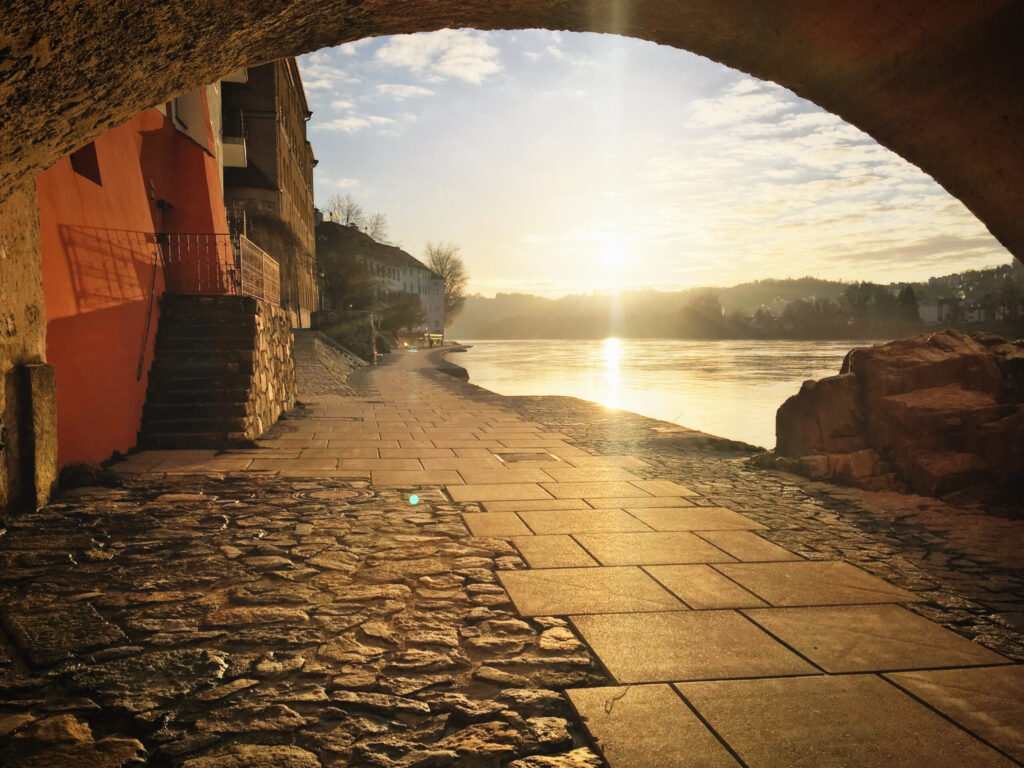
{"x": 273, "y": 390}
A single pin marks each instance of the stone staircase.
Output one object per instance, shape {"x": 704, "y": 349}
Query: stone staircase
{"x": 202, "y": 373}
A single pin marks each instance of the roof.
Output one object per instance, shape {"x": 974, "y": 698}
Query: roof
{"x": 351, "y": 240}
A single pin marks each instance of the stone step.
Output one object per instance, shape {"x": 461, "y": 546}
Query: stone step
{"x": 197, "y": 409}
{"x": 182, "y": 337}
{"x": 200, "y": 391}
{"x": 207, "y": 305}
{"x": 193, "y": 426}
{"x": 183, "y": 441}
{"x": 187, "y": 357}
{"x": 165, "y": 371}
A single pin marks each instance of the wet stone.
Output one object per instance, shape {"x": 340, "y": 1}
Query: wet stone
{"x": 141, "y": 682}
{"x": 250, "y": 615}
{"x": 248, "y": 718}
{"x": 52, "y": 636}
{"x": 577, "y": 758}
{"x": 378, "y": 702}
{"x": 256, "y": 756}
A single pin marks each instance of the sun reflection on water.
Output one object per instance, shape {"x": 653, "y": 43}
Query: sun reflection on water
{"x": 612, "y": 355}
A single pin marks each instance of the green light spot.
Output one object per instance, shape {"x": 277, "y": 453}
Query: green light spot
{"x": 414, "y": 499}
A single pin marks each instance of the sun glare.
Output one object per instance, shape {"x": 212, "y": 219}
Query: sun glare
{"x": 611, "y": 355}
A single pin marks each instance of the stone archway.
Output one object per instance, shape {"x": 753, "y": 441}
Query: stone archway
{"x": 937, "y": 82}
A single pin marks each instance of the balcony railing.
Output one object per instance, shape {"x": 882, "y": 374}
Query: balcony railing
{"x": 260, "y": 274}
{"x": 206, "y": 264}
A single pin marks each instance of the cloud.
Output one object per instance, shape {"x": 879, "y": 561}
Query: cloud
{"x": 342, "y": 105}
{"x": 748, "y": 99}
{"x": 319, "y": 72}
{"x": 327, "y": 181}
{"x": 449, "y": 53}
{"x": 353, "y": 123}
{"x": 402, "y": 92}
{"x": 350, "y": 49}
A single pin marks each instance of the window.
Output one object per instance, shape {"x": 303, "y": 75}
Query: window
{"x": 84, "y": 162}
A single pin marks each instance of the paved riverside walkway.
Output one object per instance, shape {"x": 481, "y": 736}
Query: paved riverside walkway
{"x": 414, "y": 576}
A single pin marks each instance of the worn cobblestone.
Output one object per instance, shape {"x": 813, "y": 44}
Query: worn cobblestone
{"x": 190, "y": 619}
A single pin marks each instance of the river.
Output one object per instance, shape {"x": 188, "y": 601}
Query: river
{"x": 727, "y": 388}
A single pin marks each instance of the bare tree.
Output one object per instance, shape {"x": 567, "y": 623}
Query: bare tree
{"x": 444, "y": 259}
{"x": 377, "y": 227}
{"x": 345, "y": 211}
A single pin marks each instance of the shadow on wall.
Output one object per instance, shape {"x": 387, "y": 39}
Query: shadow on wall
{"x": 108, "y": 267}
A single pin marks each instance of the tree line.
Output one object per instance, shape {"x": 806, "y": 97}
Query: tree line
{"x": 804, "y": 308}
{"x": 349, "y": 283}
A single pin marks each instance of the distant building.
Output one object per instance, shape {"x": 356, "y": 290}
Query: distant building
{"x": 929, "y": 312}
{"x": 948, "y": 310}
{"x": 268, "y": 174}
{"x": 395, "y": 271}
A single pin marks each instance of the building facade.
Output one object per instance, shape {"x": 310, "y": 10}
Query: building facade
{"x": 394, "y": 271}
{"x": 268, "y": 175}
{"x": 99, "y": 211}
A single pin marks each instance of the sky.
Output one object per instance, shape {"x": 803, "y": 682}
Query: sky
{"x": 568, "y": 163}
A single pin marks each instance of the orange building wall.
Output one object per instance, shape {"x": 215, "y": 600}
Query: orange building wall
{"x": 100, "y": 278}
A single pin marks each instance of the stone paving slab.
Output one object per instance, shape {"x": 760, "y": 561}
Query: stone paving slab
{"x": 987, "y": 701}
{"x": 563, "y": 591}
{"x": 589, "y": 474}
{"x": 693, "y": 519}
{"x": 636, "y": 502}
{"x": 702, "y": 587}
{"x": 554, "y": 551}
{"x": 595, "y": 490}
{"x": 647, "y": 726}
{"x": 833, "y": 722}
{"x": 860, "y": 638}
{"x": 748, "y": 546}
{"x": 814, "y": 583}
{"x": 528, "y": 505}
{"x": 498, "y": 492}
{"x": 685, "y": 645}
{"x": 651, "y": 548}
{"x": 502, "y": 524}
{"x": 581, "y": 521}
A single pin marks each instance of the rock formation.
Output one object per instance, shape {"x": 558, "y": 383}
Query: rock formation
{"x": 935, "y": 414}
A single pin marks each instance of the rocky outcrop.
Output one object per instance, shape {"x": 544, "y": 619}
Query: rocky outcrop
{"x": 935, "y": 414}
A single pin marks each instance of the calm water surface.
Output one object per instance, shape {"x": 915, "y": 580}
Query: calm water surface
{"x": 728, "y": 388}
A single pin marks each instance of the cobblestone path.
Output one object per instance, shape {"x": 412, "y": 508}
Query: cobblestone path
{"x": 428, "y": 574}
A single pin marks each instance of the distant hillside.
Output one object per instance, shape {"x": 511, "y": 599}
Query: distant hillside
{"x": 738, "y": 311}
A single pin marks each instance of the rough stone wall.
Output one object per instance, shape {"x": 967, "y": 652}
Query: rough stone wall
{"x": 272, "y": 391}
{"x": 938, "y": 83}
{"x": 28, "y": 459}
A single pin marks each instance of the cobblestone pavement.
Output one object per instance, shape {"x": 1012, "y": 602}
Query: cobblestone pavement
{"x": 428, "y": 574}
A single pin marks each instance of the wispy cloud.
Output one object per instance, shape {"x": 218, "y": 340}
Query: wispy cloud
{"x": 402, "y": 92}
{"x": 331, "y": 183}
{"x": 353, "y": 123}
{"x": 320, "y": 72}
{"x": 449, "y": 53}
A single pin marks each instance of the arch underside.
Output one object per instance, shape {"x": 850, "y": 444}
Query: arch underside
{"x": 936, "y": 81}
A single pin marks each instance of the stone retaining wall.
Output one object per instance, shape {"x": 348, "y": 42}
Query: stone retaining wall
{"x": 272, "y": 391}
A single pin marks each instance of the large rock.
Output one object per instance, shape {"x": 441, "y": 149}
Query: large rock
{"x": 934, "y": 414}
